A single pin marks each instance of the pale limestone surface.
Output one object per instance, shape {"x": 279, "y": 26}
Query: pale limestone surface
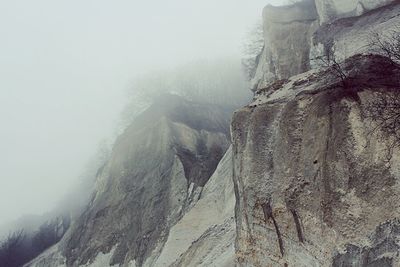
{"x": 329, "y": 10}
{"x": 156, "y": 174}
{"x": 287, "y": 31}
{"x": 214, "y": 210}
{"x": 294, "y": 37}
{"x": 307, "y": 151}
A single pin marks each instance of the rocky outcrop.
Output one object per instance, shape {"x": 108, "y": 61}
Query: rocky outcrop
{"x": 156, "y": 174}
{"x": 354, "y": 35}
{"x": 329, "y": 10}
{"x": 315, "y": 180}
{"x": 287, "y": 31}
{"x": 382, "y": 251}
{"x": 314, "y": 185}
{"x": 205, "y": 235}
{"x": 296, "y": 35}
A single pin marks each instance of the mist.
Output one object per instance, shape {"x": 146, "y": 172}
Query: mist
{"x": 66, "y": 68}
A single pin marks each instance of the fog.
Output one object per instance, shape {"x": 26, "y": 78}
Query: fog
{"x": 65, "y": 68}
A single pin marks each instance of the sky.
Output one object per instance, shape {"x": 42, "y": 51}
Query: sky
{"x": 65, "y": 68}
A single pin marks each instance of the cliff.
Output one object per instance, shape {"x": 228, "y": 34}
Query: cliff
{"x": 314, "y": 185}
{"x": 316, "y": 175}
{"x": 296, "y": 35}
{"x": 305, "y": 176}
{"x": 150, "y": 187}
{"x": 330, "y": 10}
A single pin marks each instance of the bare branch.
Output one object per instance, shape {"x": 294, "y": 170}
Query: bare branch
{"x": 384, "y": 110}
{"x": 333, "y": 65}
{"x": 387, "y": 44}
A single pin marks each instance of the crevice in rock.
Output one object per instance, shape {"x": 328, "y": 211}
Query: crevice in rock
{"x": 268, "y": 214}
{"x": 299, "y": 229}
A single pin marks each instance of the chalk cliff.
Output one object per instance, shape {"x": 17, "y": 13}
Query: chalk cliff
{"x": 329, "y": 10}
{"x": 304, "y": 177}
{"x": 157, "y": 173}
{"x": 314, "y": 185}
{"x": 297, "y": 34}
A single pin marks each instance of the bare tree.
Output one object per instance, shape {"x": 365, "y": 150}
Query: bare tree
{"x": 384, "y": 109}
{"x": 252, "y": 49}
{"x": 333, "y": 65}
{"x": 21, "y": 247}
{"x": 10, "y": 249}
{"x": 219, "y": 81}
{"x": 387, "y": 44}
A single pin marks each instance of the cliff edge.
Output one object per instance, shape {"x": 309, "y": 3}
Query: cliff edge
{"x": 314, "y": 184}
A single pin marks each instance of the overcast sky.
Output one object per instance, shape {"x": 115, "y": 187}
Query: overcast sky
{"x": 65, "y": 66}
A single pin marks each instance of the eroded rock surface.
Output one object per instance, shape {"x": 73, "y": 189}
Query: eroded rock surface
{"x": 313, "y": 184}
{"x": 310, "y": 177}
{"x": 330, "y": 10}
{"x": 287, "y": 31}
{"x": 205, "y": 235}
{"x": 354, "y": 35}
{"x": 383, "y": 250}
{"x": 156, "y": 174}
{"x": 296, "y": 35}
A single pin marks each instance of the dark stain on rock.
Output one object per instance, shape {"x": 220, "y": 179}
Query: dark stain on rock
{"x": 298, "y": 225}
{"x": 268, "y": 215}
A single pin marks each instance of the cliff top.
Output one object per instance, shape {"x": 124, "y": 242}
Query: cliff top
{"x": 362, "y": 72}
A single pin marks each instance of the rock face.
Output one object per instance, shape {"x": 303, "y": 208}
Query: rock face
{"x": 350, "y": 36}
{"x": 311, "y": 183}
{"x": 205, "y": 236}
{"x": 314, "y": 185}
{"x": 294, "y": 38}
{"x": 156, "y": 174}
{"x": 330, "y": 10}
{"x": 287, "y": 31}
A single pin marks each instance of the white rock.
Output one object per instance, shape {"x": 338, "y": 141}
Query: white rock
{"x": 214, "y": 209}
{"x": 329, "y": 10}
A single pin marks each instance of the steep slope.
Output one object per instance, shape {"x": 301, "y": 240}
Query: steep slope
{"x": 296, "y": 35}
{"x": 156, "y": 173}
{"x": 314, "y": 185}
{"x": 205, "y": 235}
{"x": 287, "y": 31}
{"x": 330, "y": 10}
{"x": 313, "y": 182}
{"x": 347, "y": 37}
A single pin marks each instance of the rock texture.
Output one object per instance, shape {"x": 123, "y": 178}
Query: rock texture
{"x": 330, "y": 10}
{"x": 156, "y": 174}
{"x": 287, "y": 31}
{"x": 294, "y": 38}
{"x": 205, "y": 235}
{"x": 314, "y": 186}
{"x": 354, "y": 35}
